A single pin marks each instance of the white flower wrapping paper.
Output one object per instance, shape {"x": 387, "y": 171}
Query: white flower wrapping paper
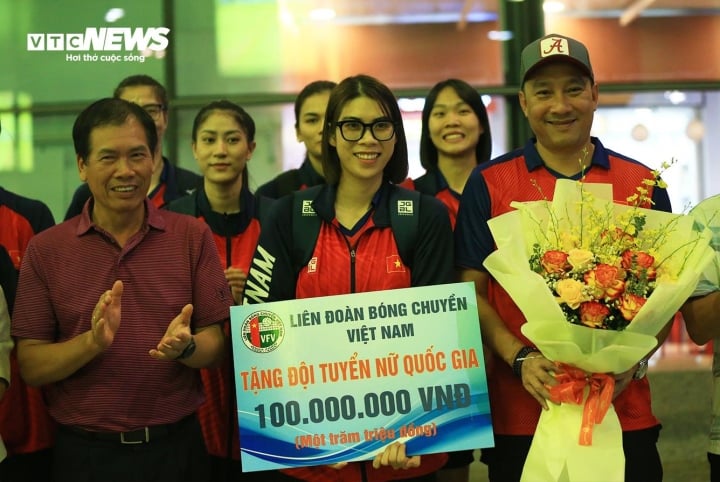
{"x": 556, "y": 453}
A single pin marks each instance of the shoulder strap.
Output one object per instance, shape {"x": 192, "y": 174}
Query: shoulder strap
{"x": 305, "y": 225}
{"x": 404, "y": 219}
{"x": 262, "y": 207}
{"x": 288, "y": 182}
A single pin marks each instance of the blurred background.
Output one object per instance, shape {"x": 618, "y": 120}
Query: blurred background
{"x": 657, "y": 63}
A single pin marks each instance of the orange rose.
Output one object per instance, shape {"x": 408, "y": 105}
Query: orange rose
{"x": 555, "y": 261}
{"x": 606, "y": 281}
{"x": 630, "y": 304}
{"x": 593, "y": 314}
{"x": 639, "y": 262}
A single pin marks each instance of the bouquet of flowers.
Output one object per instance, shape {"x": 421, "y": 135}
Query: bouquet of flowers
{"x": 596, "y": 281}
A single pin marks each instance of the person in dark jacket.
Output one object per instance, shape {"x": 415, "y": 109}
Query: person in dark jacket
{"x": 168, "y": 181}
{"x": 310, "y": 106}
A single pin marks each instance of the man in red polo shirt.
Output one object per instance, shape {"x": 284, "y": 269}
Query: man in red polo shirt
{"x": 559, "y": 96}
{"x": 116, "y": 309}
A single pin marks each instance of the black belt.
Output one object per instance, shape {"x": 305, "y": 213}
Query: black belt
{"x": 139, "y": 436}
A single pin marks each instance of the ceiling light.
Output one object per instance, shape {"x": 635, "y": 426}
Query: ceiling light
{"x": 322, "y": 14}
{"x": 675, "y": 97}
{"x": 407, "y": 104}
{"x": 553, "y": 6}
{"x": 114, "y": 14}
{"x": 500, "y": 35}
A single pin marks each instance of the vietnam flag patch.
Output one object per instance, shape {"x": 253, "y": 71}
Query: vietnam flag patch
{"x": 394, "y": 264}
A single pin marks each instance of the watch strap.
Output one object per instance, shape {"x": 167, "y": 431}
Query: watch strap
{"x": 520, "y": 358}
{"x": 188, "y": 350}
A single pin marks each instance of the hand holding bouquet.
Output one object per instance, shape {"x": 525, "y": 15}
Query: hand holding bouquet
{"x": 596, "y": 281}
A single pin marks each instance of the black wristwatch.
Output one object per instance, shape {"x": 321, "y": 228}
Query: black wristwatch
{"x": 189, "y": 350}
{"x": 520, "y": 358}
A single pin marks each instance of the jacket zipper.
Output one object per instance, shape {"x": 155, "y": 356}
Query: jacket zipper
{"x": 352, "y": 270}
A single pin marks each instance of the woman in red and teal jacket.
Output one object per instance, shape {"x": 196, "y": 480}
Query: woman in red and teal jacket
{"x": 357, "y": 246}
{"x": 455, "y": 137}
{"x": 223, "y": 141}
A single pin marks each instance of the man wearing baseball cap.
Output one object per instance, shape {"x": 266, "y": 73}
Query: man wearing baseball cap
{"x": 558, "y": 96}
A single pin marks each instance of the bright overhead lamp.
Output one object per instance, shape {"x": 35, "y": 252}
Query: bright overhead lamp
{"x": 114, "y": 14}
{"x": 322, "y": 14}
{"x": 553, "y": 6}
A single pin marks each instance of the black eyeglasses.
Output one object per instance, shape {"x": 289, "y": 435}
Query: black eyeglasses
{"x": 354, "y": 130}
{"x": 154, "y": 109}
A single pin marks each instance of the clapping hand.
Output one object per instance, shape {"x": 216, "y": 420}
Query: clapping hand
{"x": 176, "y": 338}
{"x": 105, "y": 319}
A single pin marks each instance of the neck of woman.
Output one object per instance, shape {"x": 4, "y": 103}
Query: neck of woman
{"x": 224, "y": 198}
{"x": 354, "y": 199}
{"x": 456, "y": 170}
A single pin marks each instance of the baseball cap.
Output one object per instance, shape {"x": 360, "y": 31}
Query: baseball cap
{"x": 554, "y": 47}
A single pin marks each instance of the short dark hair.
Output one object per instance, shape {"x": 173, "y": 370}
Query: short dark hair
{"x": 312, "y": 88}
{"x": 110, "y": 112}
{"x": 351, "y": 88}
{"x": 428, "y": 150}
{"x": 143, "y": 80}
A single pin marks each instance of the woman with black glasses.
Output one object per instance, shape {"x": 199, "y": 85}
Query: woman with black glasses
{"x": 364, "y": 155}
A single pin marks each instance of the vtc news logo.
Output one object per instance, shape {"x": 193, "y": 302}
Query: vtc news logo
{"x": 112, "y": 39}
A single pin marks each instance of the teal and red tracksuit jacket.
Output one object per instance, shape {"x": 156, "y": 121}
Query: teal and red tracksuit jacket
{"x": 434, "y": 184}
{"x": 363, "y": 258}
{"x": 25, "y": 424}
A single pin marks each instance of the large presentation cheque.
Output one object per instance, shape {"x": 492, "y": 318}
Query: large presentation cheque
{"x": 337, "y": 378}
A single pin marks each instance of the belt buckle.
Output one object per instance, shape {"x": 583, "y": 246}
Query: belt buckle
{"x": 135, "y": 442}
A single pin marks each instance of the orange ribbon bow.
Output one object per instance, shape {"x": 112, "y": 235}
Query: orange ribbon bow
{"x": 571, "y": 389}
